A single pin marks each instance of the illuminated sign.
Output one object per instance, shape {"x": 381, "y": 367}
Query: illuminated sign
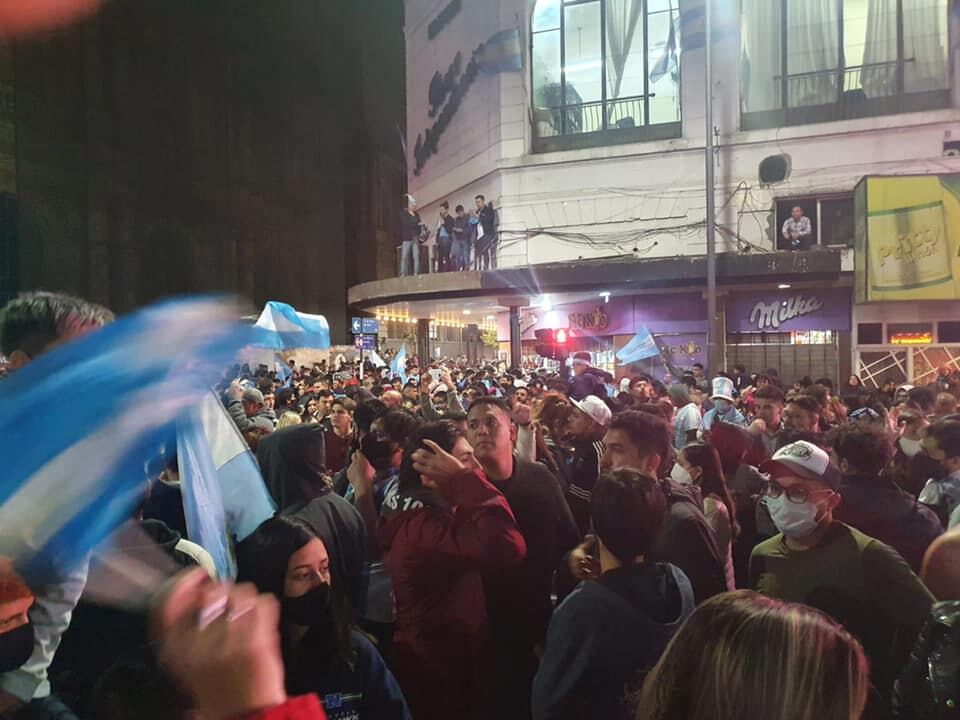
{"x": 917, "y": 338}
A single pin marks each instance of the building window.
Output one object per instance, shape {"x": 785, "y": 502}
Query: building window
{"x": 831, "y": 220}
{"x": 870, "y": 333}
{"x": 604, "y": 71}
{"x": 823, "y": 60}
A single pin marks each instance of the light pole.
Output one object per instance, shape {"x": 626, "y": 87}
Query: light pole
{"x": 713, "y": 346}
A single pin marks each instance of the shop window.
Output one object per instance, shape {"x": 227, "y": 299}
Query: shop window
{"x": 831, "y": 220}
{"x": 604, "y": 72}
{"x": 948, "y": 331}
{"x": 870, "y": 333}
{"x": 812, "y": 337}
{"x": 806, "y": 62}
{"x": 909, "y": 333}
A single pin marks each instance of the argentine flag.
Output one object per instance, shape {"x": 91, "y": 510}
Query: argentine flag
{"x": 398, "y": 366}
{"x": 84, "y": 425}
{"x": 280, "y": 327}
{"x": 641, "y": 347}
{"x": 224, "y": 496}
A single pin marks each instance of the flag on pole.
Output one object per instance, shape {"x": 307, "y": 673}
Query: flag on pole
{"x": 280, "y": 327}
{"x": 75, "y": 470}
{"x": 667, "y": 63}
{"x": 641, "y": 347}
{"x": 375, "y": 359}
{"x": 284, "y": 373}
{"x": 224, "y": 496}
{"x": 398, "y": 366}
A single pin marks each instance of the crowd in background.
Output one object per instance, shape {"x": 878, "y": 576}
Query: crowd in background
{"x": 485, "y": 542}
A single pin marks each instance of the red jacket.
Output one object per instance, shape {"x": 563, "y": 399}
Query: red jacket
{"x": 302, "y": 708}
{"x": 435, "y": 557}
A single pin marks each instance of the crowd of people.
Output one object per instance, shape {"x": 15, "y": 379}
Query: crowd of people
{"x": 485, "y": 542}
{"x": 462, "y": 240}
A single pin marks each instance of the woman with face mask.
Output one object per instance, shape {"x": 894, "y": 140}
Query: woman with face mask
{"x": 699, "y": 464}
{"x": 322, "y": 653}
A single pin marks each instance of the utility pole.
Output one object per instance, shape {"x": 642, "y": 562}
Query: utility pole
{"x": 713, "y": 346}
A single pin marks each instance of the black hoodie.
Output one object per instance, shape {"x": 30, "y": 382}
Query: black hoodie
{"x": 604, "y": 637}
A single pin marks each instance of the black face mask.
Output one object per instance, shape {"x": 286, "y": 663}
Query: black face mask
{"x": 16, "y": 647}
{"x": 377, "y": 451}
{"x": 309, "y": 610}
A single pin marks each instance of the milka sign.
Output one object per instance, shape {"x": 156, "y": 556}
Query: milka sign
{"x": 770, "y": 315}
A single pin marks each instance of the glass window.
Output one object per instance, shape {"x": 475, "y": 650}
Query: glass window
{"x": 813, "y": 52}
{"x": 760, "y": 82}
{"x": 604, "y": 65}
{"x": 870, "y": 333}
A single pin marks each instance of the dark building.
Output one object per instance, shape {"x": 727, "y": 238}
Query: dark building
{"x": 170, "y": 146}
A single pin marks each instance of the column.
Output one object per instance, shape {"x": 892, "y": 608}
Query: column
{"x": 423, "y": 342}
{"x": 514, "y": 336}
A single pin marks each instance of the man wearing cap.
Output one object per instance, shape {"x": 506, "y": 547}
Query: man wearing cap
{"x": 248, "y": 409}
{"x": 819, "y": 561}
{"x": 586, "y": 427}
{"x": 723, "y": 409}
{"x": 587, "y": 380}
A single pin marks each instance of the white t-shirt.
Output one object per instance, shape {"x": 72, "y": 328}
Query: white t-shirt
{"x": 688, "y": 418}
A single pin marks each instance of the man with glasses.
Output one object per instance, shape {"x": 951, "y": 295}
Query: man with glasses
{"x": 819, "y": 561}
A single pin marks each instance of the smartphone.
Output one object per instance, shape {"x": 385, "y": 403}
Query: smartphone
{"x": 435, "y": 374}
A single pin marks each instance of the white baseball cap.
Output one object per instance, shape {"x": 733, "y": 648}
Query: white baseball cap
{"x": 594, "y": 408}
{"x": 803, "y": 459}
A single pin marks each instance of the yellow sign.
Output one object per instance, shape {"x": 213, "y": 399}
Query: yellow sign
{"x": 908, "y": 230}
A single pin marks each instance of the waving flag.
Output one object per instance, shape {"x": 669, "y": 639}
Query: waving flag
{"x": 641, "y": 347}
{"x": 398, "y": 366}
{"x": 280, "y": 327}
{"x": 75, "y": 469}
{"x": 224, "y": 496}
{"x": 503, "y": 52}
{"x": 374, "y": 357}
{"x": 284, "y": 373}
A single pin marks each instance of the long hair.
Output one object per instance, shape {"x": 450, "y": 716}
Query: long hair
{"x": 712, "y": 480}
{"x": 742, "y": 655}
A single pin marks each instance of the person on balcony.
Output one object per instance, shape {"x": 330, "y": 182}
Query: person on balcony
{"x": 797, "y": 230}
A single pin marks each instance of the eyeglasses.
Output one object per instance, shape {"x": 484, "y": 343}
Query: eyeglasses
{"x": 795, "y": 493}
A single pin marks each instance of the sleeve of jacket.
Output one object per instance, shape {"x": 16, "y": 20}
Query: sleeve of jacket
{"x": 427, "y": 410}
{"x": 453, "y": 403}
{"x": 562, "y": 678}
{"x": 307, "y": 707}
{"x": 482, "y": 532}
{"x": 240, "y": 419}
{"x": 527, "y": 442}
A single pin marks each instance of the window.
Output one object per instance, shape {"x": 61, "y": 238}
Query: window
{"x": 820, "y": 60}
{"x": 870, "y": 333}
{"x": 948, "y": 331}
{"x": 831, "y": 220}
{"x": 604, "y": 71}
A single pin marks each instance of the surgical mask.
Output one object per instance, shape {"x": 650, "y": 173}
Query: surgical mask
{"x": 310, "y": 609}
{"x": 910, "y": 447}
{"x": 722, "y": 406}
{"x": 794, "y": 520}
{"x": 681, "y": 475}
{"x": 16, "y": 646}
{"x": 377, "y": 451}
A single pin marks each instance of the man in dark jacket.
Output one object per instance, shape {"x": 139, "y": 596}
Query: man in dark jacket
{"x": 641, "y": 441}
{"x": 450, "y": 525}
{"x": 587, "y": 380}
{"x": 873, "y": 504}
{"x": 586, "y": 427}
{"x": 486, "y": 233}
{"x": 518, "y": 598}
{"x": 610, "y": 632}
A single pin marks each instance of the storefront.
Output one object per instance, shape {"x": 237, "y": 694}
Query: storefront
{"x": 797, "y": 331}
{"x": 676, "y": 321}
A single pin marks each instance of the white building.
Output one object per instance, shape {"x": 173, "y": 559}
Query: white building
{"x": 595, "y": 149}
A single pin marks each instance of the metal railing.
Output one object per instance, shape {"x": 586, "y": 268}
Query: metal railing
{"x": 824, "y": 87}
{"x": 590, "y": 117}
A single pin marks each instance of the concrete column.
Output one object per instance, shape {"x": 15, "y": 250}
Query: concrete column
{"x": 423, "y": 342}
{"x": 514, "y": 336}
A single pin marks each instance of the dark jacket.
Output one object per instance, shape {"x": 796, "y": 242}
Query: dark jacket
{"x": 488, "y": 219}
{"x": 605, "y": 636}
{"x": 411, "y": 226}
{"x": 687, "y": 541}
{"x": 589, "y": 382}
{"x": 293, "y": 462}
{"x": 266, "y": 419}
{"x": 435, "y": 556}
{"x": 878, "y": 508}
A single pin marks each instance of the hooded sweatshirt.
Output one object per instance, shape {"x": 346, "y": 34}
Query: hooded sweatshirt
{"x": 604, "y": 638}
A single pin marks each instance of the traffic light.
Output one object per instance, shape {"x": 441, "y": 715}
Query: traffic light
{"x": 551, "y": 343}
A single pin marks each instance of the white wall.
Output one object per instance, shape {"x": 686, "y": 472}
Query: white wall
{"x": 647, "y": 188}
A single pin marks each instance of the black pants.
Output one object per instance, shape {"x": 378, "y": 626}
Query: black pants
{"x": 444, "y": 262}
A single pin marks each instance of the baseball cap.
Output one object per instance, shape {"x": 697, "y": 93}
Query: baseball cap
{"x": 595, "y": 408}
{"x": 803, "y": 459}
{"x": 252, "y": 395}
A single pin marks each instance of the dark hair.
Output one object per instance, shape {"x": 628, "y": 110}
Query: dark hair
{"x": 399, "y": 425}
{"x": 285, "y": 396}
{"x": 818, "y": 393}
{"x": 826, "y": 382}
{"x": 698, "y": 365}
{"x": 947, "y": 435}
{"x": 445, "y": 205}
{"x": 740, "y": 368}
{"x": 137, "y": 687}
{"x": 653, "y": 408}
{"x": 458, "y": 208}
{"x": 712, "y": 480}
{"x": 367, "y": 412}
{"x": 489, "y": 400}
{"x": 924, "y": 398}
{"x": 650, "y": 434}
{"x": 628, "y": 510}
{"x": 805, "y": 402}
{"x": 33, "y": 320}
{"x": 444, "y": 433}
{"x": 866, "y": 450}
{"x": 480, "y": 197}
{"x": 769, "y": 392}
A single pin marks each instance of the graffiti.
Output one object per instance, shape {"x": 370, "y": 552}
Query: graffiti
{"x": 442, "y": 85}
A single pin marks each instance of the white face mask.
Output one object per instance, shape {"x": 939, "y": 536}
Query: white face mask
{"x": 681, "y": 475}
{"x": 910, "y": 447}
{"x": 794, "y": 520}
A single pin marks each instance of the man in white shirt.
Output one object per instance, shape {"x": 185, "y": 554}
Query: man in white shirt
{"x": 687, "y": 421}
{"x": 797, "y": 230}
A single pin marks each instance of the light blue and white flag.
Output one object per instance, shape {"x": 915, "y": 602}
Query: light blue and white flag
{"x": 398, "y": 366}
{"x": 374, "y": 357}
{"x": 224, "y": 496}
{"x": 75, "y": 468}
{"x": 280, "y": 327}
{"x": 503, "y": 52}
{"x": 284, "y": 373}
{"x": 641, "y": 347}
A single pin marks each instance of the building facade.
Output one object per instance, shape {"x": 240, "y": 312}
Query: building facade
{"x": 594, "y": 156}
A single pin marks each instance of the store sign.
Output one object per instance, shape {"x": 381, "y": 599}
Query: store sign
{"x": 827, "y": 309}
{"x": 594, "y": 322}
